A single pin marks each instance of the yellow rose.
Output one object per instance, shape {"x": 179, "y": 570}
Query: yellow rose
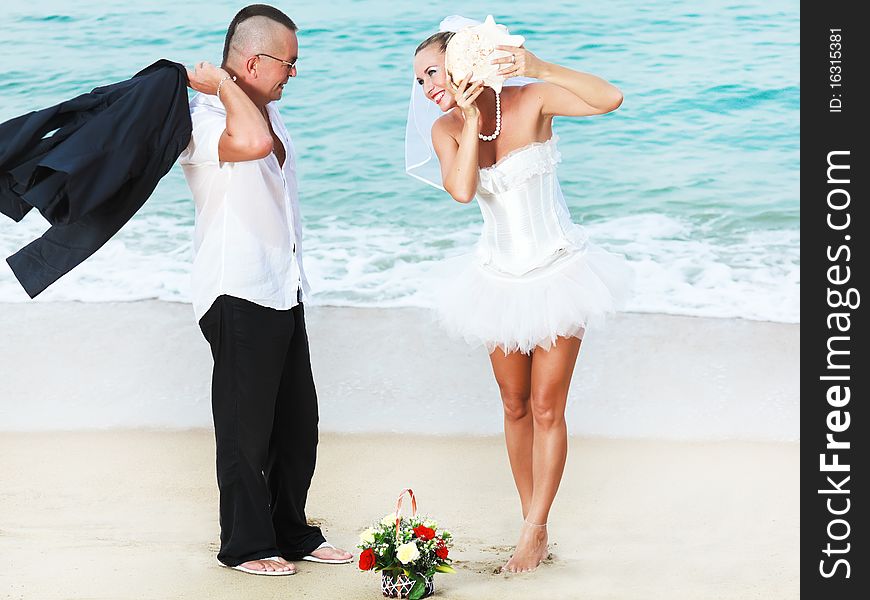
{"x": 407, "y": 553}
{"x": 367, "y": 536}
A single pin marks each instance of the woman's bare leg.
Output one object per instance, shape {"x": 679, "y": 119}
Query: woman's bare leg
{"x": 514, "y": 376}
{"x": 551, "y": 377}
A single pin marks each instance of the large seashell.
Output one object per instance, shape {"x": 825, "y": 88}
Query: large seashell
{"x": 472, "y": 48}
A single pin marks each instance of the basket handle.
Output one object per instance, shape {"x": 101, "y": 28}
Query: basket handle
{"x": 410, "y": 492}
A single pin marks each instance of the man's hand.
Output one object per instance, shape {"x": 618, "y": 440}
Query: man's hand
{"x": 205, "y": 77}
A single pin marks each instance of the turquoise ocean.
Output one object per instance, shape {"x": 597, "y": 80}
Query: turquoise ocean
{"x": 695, "y": 178}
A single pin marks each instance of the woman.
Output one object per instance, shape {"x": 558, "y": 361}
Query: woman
{"x": 536, "y": 283}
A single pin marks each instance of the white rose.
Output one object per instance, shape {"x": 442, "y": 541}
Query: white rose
{"x": 430, "y": 523}
{"x": 367, "y": 536}
{"x": 407, "y": 553}
{"x": 389, "y": 519}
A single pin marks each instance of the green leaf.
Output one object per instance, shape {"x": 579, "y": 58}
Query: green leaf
{"x": 445, "y": 569}
{"x": 418, "y": 589}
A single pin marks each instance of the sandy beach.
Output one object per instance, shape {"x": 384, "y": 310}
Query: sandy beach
{"x": 133, "y": 514}
{"x": 682, "y": 478}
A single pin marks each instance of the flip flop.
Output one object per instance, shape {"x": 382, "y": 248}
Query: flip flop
{"x": 328, "y": 561}
{"x": 255, "y": 572}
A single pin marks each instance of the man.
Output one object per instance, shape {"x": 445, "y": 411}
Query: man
{"x": 248, "y": 286}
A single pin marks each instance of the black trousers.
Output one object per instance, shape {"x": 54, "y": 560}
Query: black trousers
{"x": 265, "y": 419}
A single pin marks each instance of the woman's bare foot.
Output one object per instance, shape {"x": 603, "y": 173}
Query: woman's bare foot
{"x": 530, "y": 551}
{"x": 276, "y": 564}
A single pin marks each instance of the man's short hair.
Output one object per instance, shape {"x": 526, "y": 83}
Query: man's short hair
{"x": 255, "y": 10}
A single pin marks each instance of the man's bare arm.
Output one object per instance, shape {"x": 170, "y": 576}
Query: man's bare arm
{"x": 247, "y": 135}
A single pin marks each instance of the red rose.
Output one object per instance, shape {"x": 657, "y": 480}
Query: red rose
{"x": 367, "y": 559}
{"x": 441, "y": 549}
{"x": 424, "y": 533}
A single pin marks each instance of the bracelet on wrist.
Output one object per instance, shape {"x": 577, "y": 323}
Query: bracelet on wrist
{"x": 221, "y": 82}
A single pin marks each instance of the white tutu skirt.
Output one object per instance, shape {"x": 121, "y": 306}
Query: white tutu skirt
{"x": 520, "y": 313}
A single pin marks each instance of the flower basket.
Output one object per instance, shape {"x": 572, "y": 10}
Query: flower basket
{"x": 408, "y": 551}
{"x": 400, "y": 586}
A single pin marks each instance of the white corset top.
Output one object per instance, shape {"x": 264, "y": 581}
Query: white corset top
{"x": 526, "y": 223}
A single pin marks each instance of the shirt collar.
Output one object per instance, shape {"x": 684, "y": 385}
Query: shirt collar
{"x": 214, "y": 101}
{"x": 208, "y": 100}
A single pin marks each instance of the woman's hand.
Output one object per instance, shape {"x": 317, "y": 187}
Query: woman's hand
{"x": 520, "y": 63}
{"x": 206, "y": 77}
{"x": 465, "y": 96}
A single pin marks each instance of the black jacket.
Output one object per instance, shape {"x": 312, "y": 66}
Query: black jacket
{"x": 90, "y": 176}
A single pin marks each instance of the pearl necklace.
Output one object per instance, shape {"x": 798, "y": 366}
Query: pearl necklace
{"x": 489, "y": 138}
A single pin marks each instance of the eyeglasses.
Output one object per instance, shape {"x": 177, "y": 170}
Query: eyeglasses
{"x": 289, "y": 65}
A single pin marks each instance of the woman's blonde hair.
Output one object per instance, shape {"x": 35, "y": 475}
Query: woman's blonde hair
{"x": 441, "y": 38}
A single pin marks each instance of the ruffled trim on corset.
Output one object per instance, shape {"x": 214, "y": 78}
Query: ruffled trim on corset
{"x": 542, "y": 157}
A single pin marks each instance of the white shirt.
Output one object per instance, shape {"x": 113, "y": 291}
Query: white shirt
{"x": 247, "y": 232}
